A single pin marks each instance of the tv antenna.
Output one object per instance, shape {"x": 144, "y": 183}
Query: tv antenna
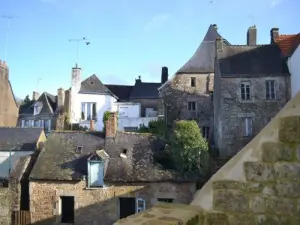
{"x": 37, "y": 83}
{"x": 77, "y": 41}
{"x": 8, "y": 18}
{"x": 252, "y": 18}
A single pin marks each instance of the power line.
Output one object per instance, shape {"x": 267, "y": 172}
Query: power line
{"x": 77, "y": 41}
{"x": 8, "y": 18}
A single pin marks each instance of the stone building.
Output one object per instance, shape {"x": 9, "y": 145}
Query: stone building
{"x": 45, "y": 111}
{"x": 252, "y": 84}
{"x": 189, "y": 94}
{"x": 82, "y": 178}
{"x": 8, "y": 105}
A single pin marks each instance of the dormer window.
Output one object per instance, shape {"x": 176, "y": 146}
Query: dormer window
{"x": 96, "y": 169}
{"x": 37, "y": 108}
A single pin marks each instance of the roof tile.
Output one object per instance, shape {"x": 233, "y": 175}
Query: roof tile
{"x": 288, "y": 43}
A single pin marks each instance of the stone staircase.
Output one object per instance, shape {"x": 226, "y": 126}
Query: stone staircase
{"x": 259, "y": 186}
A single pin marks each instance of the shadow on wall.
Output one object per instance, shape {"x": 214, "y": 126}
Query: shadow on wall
{"x": 105, "y": 212}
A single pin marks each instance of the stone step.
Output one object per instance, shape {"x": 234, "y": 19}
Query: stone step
{"x": 289, "y": 129}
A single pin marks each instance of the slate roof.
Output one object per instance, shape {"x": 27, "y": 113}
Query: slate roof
{"x": 92, "y": 85}
{"x": 203, "y": 59}
{"x": 145, "y": 90}
{"x": 254, "y": 60}
{"x": 60, "y": 160}
{"x": 19, "y": 139}
{"x": 288, "y": 43}
{"x": 49, "y": 105}
{"x": 20, "y": 167}
{"x": 123, "y": 92}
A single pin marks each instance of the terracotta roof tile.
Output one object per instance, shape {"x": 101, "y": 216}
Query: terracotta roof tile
{"x": 288, "y": 43}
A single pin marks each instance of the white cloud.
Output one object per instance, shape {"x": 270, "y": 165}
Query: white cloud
{"x": 157, "y": 22}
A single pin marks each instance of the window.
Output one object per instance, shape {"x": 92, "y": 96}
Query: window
{"x": 96, "y": 174}
{"x": 192, "y": 106}
{"x": 88, "y": 111}
{"x": 245, "y": 91}
{"x": 26, "y": 123}
{"x": 193, "y": 81}
{"x": 37, "y": 108}
{"x": 36, "y": 123}
{"x": 270, "y": 90}
{"x": 47, "y": 125}
{"x": 168, "y": 200}
{"x": 248, "y": 126}
{"x": 67, "y": 209}
{"x": 140, "y": 205}
{"x": 205, "y": 132}
{"x": 131, "y": 129}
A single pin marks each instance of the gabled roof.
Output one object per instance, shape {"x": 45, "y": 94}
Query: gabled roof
{"x": 19, "y": 139}
{"x": 288, "y": 43}
{"x": 144, "y": 90}
{"x": 123, "y": 92}
{"x": 256, "y": 60}
{"x": 92, "y": 85}
{"x": 203, "y": 59}
{"x": 60, "y": 159}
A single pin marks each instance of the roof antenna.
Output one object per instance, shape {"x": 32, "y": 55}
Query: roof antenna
{"x": 78, "y": 40}
{"x": 37, "y": 84}
{"x": 8, "y": 18}
{"x": 252, "y": 18}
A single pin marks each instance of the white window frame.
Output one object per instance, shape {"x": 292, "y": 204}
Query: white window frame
{"x": 138, "y": 207}
{"x": 191, "y": 110}
{"x": 22, "y": 123}
{"x": 245, "y": 85}
{"x": 270, "y": 84}
{"x": 84, "y": 109}
{"x": 248, "y": 126}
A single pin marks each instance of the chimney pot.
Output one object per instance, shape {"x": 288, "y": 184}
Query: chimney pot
{"x": 164, "y": 74}
{"x": 274, "y": 34}
{"x": 252, "y": 36}
{"x": 111, "y": 125}
{"x": 35, "y": 96}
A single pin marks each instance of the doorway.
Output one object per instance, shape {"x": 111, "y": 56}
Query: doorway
{"x": 127, "y": 207}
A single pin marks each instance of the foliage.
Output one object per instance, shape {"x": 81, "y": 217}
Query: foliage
{"x": 27, "y": 99}
{"x": 156, "y": 127}
{"x": 190, "y": 149}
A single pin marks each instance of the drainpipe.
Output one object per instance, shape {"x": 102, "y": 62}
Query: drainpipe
{"x": 9, "y": 166}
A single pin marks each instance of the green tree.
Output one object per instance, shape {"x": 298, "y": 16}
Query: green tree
{"x": 27, "y": 99}
{"x": 189, "y": 148}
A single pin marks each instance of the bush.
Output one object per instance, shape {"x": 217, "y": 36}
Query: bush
{"x": 190, "y": 149}
{"x": 156, "y": 127}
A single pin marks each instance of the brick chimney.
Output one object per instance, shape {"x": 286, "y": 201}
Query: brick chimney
{"x": 111, "y": 125}
{"x": 92, "y": 125}
{"x": 60, "y": 98}
{"x": 35, "y": 96}
{"x": 164, "y": 75}
{"x": 274, "y": 34}
{"x": 251, "y": 36}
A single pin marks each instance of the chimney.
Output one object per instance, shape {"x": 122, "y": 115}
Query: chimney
{"x": 111, "y": 125}
{"x": 251, "y": 36}
{"x": 139, "y": 80}
{"x": 219, "y": 44}
{"x": 76, "y": 78}
{"x": 274, "y": 34}
{"x": 4, "y": 70}
{"x": 91, "y": 125}
{"x": 35, "y": 96}
{"x": 215, "y": 26}
{"x": 60, "y": 97}
{"x": 164, "y": 75}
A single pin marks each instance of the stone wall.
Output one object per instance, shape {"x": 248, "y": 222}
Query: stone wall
{"x": 258, "y": 186}
{"x": 231, "y": 113}
{"x": 5, "y": 205}
{"x": 98, "y": 206}
{"x": 178, "y": 92}
{"x": 8, "y": 107}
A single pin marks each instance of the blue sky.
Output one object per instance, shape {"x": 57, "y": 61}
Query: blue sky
{"x": 128, "y": 37}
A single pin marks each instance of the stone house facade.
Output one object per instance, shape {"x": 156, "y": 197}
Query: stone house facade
{"x": 188, "y": 95}
{"x": 8, "y": 105}
{"x": 84, "y": 179}
{"x": 252, "y": 84}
